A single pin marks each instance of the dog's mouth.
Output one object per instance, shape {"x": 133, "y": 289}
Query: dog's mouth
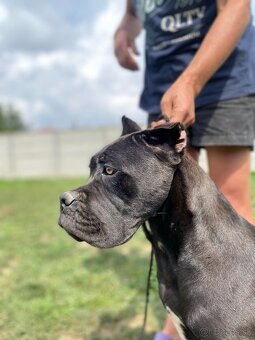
{"x": 63, "y": 222}
{"x": 84, "y": 226}
{"x": 74, "y": 236}
{"x": 81, "y": 226}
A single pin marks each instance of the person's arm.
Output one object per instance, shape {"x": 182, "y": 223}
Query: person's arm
{"x": 178, "y": 102}
{"x": 124, "y": 39}
{"x": 220, "y": 4}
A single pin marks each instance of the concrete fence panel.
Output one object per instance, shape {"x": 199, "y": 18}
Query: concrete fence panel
{"x": 55, "y": 154}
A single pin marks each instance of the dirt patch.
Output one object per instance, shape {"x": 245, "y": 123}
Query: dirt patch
{"x": 6, "y": 210}
{"x": 70, "y": 337}
{"x": 8, "y": 268}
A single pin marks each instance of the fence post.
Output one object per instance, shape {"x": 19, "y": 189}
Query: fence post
{"x": 11, "y": 155}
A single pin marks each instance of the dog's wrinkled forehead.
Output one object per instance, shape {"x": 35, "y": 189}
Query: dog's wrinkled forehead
{"x": 116, "y": 154}
{"x": 136, "y": 147}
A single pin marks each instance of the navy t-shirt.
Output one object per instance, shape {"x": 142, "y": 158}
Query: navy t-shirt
{"x": 174, "y": 32}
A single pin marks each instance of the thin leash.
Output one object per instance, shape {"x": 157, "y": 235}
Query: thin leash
{"x": 141, "y": 337}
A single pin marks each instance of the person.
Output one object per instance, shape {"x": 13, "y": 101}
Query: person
{"x": 200, "y": 70}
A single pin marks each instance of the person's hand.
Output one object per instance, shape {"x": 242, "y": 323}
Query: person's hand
{"x": 178, "y": 103}
{"x": 124, "y": 48}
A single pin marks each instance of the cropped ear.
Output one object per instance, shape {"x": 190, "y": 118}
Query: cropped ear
{"x": 166, "y": 137}
{"x": 181, "y": 142}
{"x": 129, "y": 126}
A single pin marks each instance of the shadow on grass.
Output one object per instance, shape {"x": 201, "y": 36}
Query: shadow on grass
{"x": 131, "y": 268}
{"x": 111, "y": 327}
{"x": 132, "y": 271}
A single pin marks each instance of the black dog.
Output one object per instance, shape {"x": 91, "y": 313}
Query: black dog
{"x": 205, "y": 251}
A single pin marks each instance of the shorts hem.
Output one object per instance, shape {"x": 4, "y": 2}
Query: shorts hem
{"x": 212, "y": 141}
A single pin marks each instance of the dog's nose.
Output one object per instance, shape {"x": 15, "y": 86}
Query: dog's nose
{"x": 67, "y": 198}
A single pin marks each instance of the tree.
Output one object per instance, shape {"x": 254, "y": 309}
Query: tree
{"x": 2, "y": 120}
{"x": 10, "y": 119}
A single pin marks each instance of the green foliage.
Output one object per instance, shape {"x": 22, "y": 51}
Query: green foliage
{"x": 10, "y": 119}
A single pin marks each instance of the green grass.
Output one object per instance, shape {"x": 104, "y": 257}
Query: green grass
{"x": 52, "y": 287}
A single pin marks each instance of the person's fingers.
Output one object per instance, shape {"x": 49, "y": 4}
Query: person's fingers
{"x": 158, "y": 123}
{"x": 134, "y": 47}
{"x": 186, "y": 120}
{"x": 123, "y": 45}
{"x": 177, "y": 112}
{"x": 128, "y": 62}
{"x": 166, "y": 105}
{"x": 124, "y": 57}
{"x": 184, "y": 117}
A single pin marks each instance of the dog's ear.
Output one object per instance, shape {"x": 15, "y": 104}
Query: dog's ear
{"x": 181, "y": 142}
{"x": 129, "y": 126}
{"x": 166, "y": 137}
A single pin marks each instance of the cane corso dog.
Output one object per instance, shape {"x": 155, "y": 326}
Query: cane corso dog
{"x": 205, "y": 251}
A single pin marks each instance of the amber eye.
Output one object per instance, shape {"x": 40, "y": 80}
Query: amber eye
{"x": 108, "y": 170}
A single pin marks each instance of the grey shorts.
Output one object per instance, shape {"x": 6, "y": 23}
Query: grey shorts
{"x": 226, "y": 123}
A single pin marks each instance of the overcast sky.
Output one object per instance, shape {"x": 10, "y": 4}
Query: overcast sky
{"x": 57, "y": 65}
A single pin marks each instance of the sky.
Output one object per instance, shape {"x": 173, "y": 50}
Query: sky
{"x": 57, "y": 65}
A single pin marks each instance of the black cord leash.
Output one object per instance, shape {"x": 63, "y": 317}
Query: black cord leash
{"x": 141, "y": 337}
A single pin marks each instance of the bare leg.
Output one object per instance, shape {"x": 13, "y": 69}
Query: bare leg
{"x": 229, "y": 167}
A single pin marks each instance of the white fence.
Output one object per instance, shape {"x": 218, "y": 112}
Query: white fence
{"x": 51, "y": 154}
{"x": 54, "y": 154}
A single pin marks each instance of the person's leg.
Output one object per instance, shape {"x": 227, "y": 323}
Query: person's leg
{"x": 229, "y": 168}
{"x": 168, "y": 332}
{"x": 226, "y": 130}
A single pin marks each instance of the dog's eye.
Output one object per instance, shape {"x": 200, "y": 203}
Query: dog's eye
{"x": 108, "y": 170}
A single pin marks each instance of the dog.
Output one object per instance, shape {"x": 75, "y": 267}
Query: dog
{"x": 205, "y": 251}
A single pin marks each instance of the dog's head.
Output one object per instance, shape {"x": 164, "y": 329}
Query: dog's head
{"x": 129, "y": 181}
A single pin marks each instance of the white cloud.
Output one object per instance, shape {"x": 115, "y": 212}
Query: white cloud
{"x": 65, "y": 74}
{"x": 4, "y": 14}
{"x": 22, "y": 64}
{"x": 98, "y": 46}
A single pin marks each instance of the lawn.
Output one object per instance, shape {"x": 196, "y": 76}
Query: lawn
{"x": 53, "y": 287}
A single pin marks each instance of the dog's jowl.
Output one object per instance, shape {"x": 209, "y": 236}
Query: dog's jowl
{"x": 205, "y": 251}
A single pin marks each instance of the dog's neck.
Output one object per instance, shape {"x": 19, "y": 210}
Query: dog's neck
{"x": 187, "y": 222}
{"x": 200, "y": 196}
{"x": 192, "y": 200}
{"x": 186, "y": 215}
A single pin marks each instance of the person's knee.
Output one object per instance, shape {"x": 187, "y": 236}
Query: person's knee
{"x": 239, "y": 197}
{"x": 234, "y": 192}
{"x": 229, "y": 168}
